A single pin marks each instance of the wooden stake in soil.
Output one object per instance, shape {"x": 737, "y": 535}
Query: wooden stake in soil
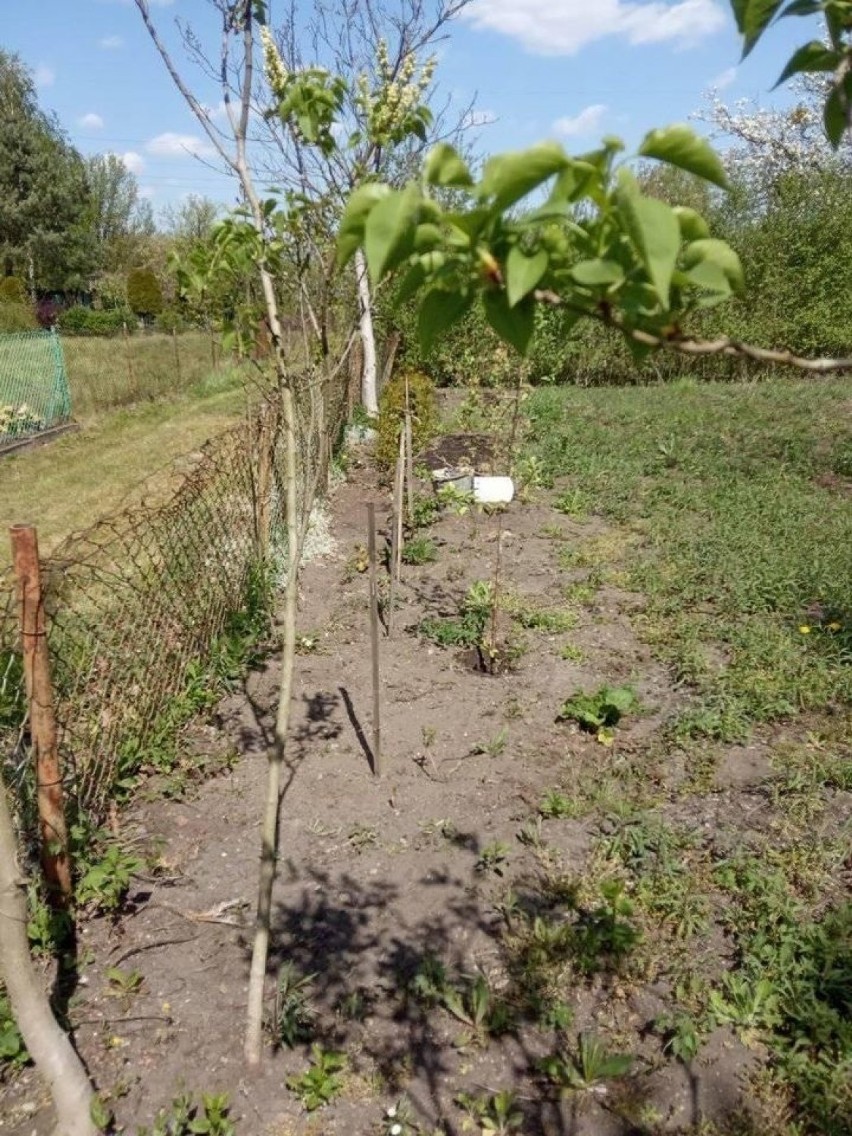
{"x": 396, "y": 530}
{"x": 374, "y": 638}
{"x": 409, "y": 454}
{"x": 55, "y": 859}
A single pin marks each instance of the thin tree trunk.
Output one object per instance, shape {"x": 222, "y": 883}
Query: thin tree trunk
{"x": 48, "y": 1046}
{"x": 369, "y": 391}
{"x": 269, "y": 835}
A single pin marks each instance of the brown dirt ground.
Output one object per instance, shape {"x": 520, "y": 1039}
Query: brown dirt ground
{"x": 374, "y": 874}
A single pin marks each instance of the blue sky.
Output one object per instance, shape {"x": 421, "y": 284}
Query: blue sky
{"x": 569, "y": 69}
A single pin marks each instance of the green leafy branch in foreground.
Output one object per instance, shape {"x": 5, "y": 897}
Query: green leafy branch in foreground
{"x": 540, "y": 226}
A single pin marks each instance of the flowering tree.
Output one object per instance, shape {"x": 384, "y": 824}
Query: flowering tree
{"x": 362, "y": 117}
{"x": 770, "y": 143}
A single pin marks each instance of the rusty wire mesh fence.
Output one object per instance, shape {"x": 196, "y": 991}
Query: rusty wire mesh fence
{"x": 137, "y": 604}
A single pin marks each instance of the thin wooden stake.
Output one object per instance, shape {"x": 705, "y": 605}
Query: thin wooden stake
{"x": 55, "y": 859}
{"x": 396, "y": 530}
{"x": 374, "y": 638}
{"x": 409, "y": 453}
{"x": 399, "y": 504}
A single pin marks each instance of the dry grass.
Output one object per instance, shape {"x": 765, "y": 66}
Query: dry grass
{"x": 117, "y": 458}
{"x": 108, "y": 372}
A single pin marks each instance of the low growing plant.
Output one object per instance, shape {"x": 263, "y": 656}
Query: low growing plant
{"x": 496, "y": 1114}
{"x": 322, "y": 1082}
{"x": 601, "y": 712}
{"x": 186, "y": 1118}
{"x": 588, "y": 1068}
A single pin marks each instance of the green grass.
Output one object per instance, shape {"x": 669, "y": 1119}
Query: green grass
{"x": 105, "y": 373}
{"x": 113, "y": 461}
{"x": 728, "y": 509}
{"x": 744, "y": 552}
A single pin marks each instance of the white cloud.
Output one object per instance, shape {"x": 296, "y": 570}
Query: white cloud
{"x": 219, "y": 112}
{"x": 476, "y": 118}
{"x": 91, "y": 121}
{"x": 44, "y": 76}
{"x": 563, "y": 27}
{"x": 171, "y": 145}
{"x": 134, "y": 162}
{"x": 724, "y": 80}
{"x": 111, "y": 42}
{"x": 586, "y": 122}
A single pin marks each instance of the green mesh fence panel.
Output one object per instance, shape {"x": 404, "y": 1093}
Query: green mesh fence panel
{"x": 34, "y": 394}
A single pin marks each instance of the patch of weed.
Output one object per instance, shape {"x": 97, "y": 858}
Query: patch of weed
{"x": 419, "y": 550}
{"x": 587, "y": 1068}
{"x": 601, "y": 712}
{"x": 322, "y": 1081}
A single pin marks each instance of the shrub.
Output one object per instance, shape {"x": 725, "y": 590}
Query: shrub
{"x": 17, "y": 317}
{"x": 171, "y": 319}
{"x": 88, "y": 321}
{"x": 47, "y": 313}
{"x": 424, "y": 414}
{"x": 144, "y": 294}
{"x": 12, "y": 291}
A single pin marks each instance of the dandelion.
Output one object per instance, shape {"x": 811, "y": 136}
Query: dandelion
{"x": 804, "y": 629}
{"x": 834, "y": 626}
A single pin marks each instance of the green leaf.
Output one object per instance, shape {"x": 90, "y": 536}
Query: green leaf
{"x": 427, "y": 237}
{"x": 837, "y": 111}
{"x": 597, "y": 273}
{"x": 680, "y": 146}
{"x": 509, "y": 177}
{"x": 438, "y": 311}
{"x": 523, "y": 273}
{"x": 710, "y": 278}
{"x": 351, "y": 234}
{"x": 514, "y": 325}
{"x": 654, "y": 230}
{"x": 753, "y": 17}
{"x": 388, "y": 232}
{"x": 467, "y": 226}
{"x": 718, "y": 253}
{"x": 813, "y": 56}
{"x": 574, "y": 182}
{"x": 444, "y": 166}
{"x": 693, "y": 227}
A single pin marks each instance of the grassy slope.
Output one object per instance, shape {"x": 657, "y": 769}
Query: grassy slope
{"x": 67, "y": 485}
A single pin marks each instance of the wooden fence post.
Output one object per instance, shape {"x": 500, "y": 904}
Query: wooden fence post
{"x": 55, "y": 857}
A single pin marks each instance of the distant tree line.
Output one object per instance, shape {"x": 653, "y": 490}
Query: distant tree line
{"x": 79, "y": 244}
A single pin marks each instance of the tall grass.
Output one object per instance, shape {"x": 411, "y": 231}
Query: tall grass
{"x": 112, "y": 372}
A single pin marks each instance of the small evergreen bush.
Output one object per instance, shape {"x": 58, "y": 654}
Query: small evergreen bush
{"x": 424, "y": 415}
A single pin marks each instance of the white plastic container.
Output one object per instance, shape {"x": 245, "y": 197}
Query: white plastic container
{"x": 493, "y": 490}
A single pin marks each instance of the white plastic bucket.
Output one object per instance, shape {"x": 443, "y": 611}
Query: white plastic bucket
{"x": 493, "y": 490}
